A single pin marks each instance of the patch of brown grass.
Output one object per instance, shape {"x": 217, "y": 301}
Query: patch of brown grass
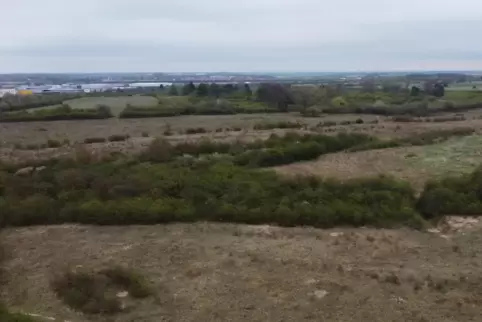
{"x": 97, "y": 292}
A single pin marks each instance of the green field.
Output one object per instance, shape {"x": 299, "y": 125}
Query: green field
{"x": 467, "y": 86}
{"x": 455, "y": 156}
{"x": 117, "y": 104}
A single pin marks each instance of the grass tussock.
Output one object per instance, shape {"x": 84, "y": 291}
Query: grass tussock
{"x": 98, "y": 292}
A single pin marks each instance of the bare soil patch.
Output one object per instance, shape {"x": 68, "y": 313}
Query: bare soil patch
{"x": 212, "y": 272}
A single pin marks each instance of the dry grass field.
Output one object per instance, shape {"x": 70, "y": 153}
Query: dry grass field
{"x": 414, "y": 164}
{"x": 116, "y": 104}
{"x": 39, "y": 132}
{"x": 222, "y": 272}
{"x": 212, "y": 272}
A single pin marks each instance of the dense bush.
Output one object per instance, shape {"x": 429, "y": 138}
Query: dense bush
{"x": 95, "y": 292}
{"x": 276, "y": 150}
{"x": 195, "y": 130}
{"x": 278, "y": 125}
{"x": 53, "y": 143}
{"x": 418, "y": 109}
{"x": 122, "y": 193}
{"x": 7, "y": 316}
{"x": 300, "y": 148}
{"x": 95, "y": 140}
{"x": 201, "y": 107}
{"x": 426, "y": 138}
{"x": 63, "y": 112}
{"x": 118, "y": 137}
{"x": 458, "y": 195}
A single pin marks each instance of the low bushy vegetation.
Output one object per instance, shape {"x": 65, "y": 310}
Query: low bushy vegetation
{"x": 426, "y": 138}
{"x": 124, "y": 193}
{"x": 200, "y": 107}
{"x": 278, "y": 125}
{"x": 118, "y": 137}
{"x": 96, "y": 292}
{"x": 276, "y": 150}
{"x": 95, "y": 140}
{"x": 63, "y": 112}
{"x": 195, "y": 130}
{"x": 408, "y": 118}
{"x": 7, "y": 316}
{"x": 454, "y": 195}
{"x": 295, "y": 148}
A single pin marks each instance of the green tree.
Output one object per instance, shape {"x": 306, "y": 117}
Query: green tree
{"x": 438, "y": 90}
{"x": 275, "y": 94}
{"x": 202, "y": 90}
{"x": 173, "y": 90}
{"x": 368, "y": 85}
{"x": 214, "y": 90}
{"x": 248, "y": 91}
{"x": 414, "y": 91}
{"x": 188, "y": 89}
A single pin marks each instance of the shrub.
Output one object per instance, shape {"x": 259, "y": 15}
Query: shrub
{"x": 339, "y": 101}
{"x": 118, "y": 137}
{"x": 54, "y": 143}
{"x": 158, "y": 151}
{"x": 405, "y": 118}
{"x": 313, "y": 111}
{"x": 327, "y": 124}
{"x": 278, "y": 125}
{"x": 95, "y": 292}
{"x": 125, "y": 193}
{"x": 426, "y": 138}
{"x": 131, "y": 281}
{"x": 63, "y": 112}
{"x": 7, "y": 316}
{"x": 196, "y": 130}
{"x": 95, "y": 140}
{"x": 458, "y": 195}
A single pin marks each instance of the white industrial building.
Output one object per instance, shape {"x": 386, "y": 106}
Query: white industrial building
{"x": 5, "y": 91}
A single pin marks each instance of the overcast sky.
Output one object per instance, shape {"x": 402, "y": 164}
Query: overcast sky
{"x": 244, "y": 35}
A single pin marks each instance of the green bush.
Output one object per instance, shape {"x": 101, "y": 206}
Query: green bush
{"x": 197, "y": 106}
{"x": 278, "y": 125}
{"x": 54, "y": 143}
{"x": 426, "y": 138}
{"x": 196, "y": 130}
{"x": 313, "y": 111}
{"x": 458, "y": 195}
{"x": 126, "y": 193}
{"x": 118, "y": 137}
{"x": 95, "y": 292}
{"x": 63, "y": 112}
{"x": 7, "y": 316}
{"x": 95, "y": 140}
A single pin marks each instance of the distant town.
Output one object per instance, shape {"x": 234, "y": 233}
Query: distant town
{"x": 28, "y": 84}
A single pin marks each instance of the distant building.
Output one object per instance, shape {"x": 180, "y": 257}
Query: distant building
{"x": 7, "y": 91}
{"x": 24, "y": 92}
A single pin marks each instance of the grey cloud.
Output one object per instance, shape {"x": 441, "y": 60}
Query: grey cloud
{"x": 249, "y": 35}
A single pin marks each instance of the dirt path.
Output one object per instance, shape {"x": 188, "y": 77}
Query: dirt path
{"x": 210, "y": 272}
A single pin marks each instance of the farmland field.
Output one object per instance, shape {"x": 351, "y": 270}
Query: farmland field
{"x": 204, "y": 209}
{"x": 116, "y": 104}
{"x": 415, "y": 164}
{"x": 212, "y": 272}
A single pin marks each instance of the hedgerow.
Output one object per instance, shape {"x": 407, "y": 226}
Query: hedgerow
{"x": 117, "y": 193}
{"x": 276, "y": 150}
{"x": 453, "y": 195}
{"x": 63, "y": 112}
